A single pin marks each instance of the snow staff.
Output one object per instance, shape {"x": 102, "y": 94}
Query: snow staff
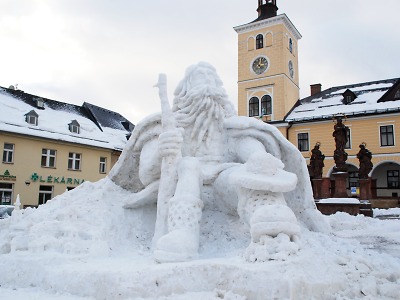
{"x": 236, "y": 164}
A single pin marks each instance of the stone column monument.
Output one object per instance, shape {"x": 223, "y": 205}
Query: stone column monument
{"x": 315, "y": 169}
{"x": 364, "y": 156}
{"x": 340, "y": 156}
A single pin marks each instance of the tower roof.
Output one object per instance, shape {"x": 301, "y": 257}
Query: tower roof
{"x": 266, "y": 9}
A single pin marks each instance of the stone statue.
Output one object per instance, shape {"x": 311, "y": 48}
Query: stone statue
{"x": 316, "y": 162}
{"x": 364, "y": 156}
{"x": 199, "y": 155}
{"x": 340, "y": 135}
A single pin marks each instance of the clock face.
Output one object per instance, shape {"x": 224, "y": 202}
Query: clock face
{"x": 260, "y": 65}
{"x": 291, "y": 69}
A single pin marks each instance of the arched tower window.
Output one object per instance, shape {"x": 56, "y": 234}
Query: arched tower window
{"x": 254, "y": 107}
{"x": 291, "y": 45}
{"x": 266, "y": 105}
{"x": 268, "y": 39}
{"x": 259, "y": 41}
{"x": 250, "y": 44}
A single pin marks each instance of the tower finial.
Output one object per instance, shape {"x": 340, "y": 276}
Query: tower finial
{"x": 266, "y": 9}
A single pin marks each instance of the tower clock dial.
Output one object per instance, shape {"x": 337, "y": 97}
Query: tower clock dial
{"x": 260, "y": 65}
{"x": 291, "y": 69}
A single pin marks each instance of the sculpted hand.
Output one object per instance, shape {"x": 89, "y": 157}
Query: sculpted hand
{"x": 170, "y": 142}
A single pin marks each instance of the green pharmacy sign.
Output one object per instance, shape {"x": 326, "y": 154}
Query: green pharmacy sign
{"x": 8, "y": 176}
{"x": 56, "y": 179}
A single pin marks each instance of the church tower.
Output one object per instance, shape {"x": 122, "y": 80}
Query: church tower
{"x": 268, "y": 77}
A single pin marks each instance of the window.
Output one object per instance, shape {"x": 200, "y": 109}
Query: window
{"x": 348, "y": 97}
{"x": 254, "y": 107}
{"x": 48, "y": 158}
{"x": 45, "y": 193}
{"x": 32, "y": 118}
{"x": 393, "y": 179}
{"x": 266, "y": 105}
{"x": 8, "y": 153}
{"x": 397, "y": 95}
{"x": 39, "y": 102}
{"x": 302, "y": 142}
{"x": 74, "y": 126}
{"x": 103, "y": 165}
{"x": 387, "y": 137}
{"x": 259, "y": 41}
{"x": 291, "y": 45}
{"x": 353, "y": 179}
{"x": 250, "y": 44}
{"x": 6, "y": 193}
{"x": 268, "y": 39}
{"x": 74, "y": 129}
{"x": 74, "y": 161}
{"x": 348, "y": 144}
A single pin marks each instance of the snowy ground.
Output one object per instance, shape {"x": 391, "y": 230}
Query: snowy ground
{"x": 84, "y": 245}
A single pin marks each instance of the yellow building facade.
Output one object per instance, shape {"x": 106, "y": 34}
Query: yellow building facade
{"x": 52, "y": 147}
{"x": 372, "y": 116}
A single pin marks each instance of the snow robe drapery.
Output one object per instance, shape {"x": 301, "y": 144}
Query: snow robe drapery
{"x": 125, "y": 173}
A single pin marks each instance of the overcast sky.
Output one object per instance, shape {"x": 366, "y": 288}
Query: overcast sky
{"x": 109, "y": 53}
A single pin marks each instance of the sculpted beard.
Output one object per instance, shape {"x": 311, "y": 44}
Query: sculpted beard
{"x": 205, "y": 107}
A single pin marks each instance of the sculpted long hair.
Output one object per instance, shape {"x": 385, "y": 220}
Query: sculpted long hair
{"x": 200, "y": 100}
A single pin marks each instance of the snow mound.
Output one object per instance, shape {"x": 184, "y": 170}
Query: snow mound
{"x": 84, "y": 245}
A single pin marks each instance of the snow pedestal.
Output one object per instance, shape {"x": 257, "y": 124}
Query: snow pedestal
{"x": 331, "y": 206}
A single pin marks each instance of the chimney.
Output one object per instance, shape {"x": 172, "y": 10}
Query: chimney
{"x": 315, "y": 88}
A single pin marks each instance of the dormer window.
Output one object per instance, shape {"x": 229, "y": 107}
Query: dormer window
{"x": 74, "y": 127}
{"x": 39, "y": 102}
{"x": 32, "y": 118}
{"x": 348, "y": 97}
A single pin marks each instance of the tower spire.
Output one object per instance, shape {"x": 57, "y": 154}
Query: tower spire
{"x": 266, "y": 9}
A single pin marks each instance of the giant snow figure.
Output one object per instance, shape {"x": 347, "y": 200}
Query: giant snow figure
{"x": 201, "y": 152}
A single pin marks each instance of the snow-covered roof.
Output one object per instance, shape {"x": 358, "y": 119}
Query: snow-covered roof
{"x": 371, "y": 98}
{"x": 99, "y": 127}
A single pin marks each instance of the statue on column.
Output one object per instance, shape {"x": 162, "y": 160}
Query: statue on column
{"x": 364, "y": 156}
{"x": 340, "y": 135}
{"x": 316, "y": 162}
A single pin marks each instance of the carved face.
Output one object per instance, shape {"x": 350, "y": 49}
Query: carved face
{"x": 204, "y": 76}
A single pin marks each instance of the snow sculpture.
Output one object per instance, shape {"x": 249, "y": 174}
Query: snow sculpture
{"x": 200, "y": 152}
